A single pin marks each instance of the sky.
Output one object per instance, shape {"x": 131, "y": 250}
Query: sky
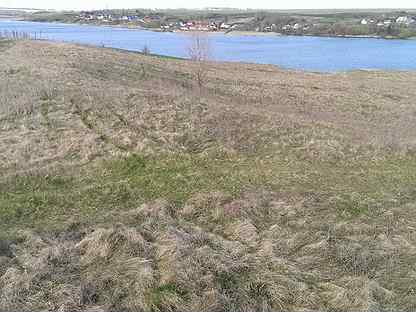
{"x": 258, "y": 4}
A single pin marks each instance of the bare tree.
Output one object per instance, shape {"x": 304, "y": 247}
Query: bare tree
{"x": 146, "y": 50}
{"x": 199, "y": 51}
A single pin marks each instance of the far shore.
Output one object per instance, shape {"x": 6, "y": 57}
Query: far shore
{"x": 243, "y": 32}
{"x": 230, "y": 33}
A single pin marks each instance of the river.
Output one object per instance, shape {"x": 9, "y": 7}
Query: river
{"x": 319, "y": 54}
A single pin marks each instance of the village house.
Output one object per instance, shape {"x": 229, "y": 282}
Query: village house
{"x": 151, "y": 18}
{"x": 202, "y": 26}
{"x": 225, "y": 26}
{"x": 405, "y": 20}
{"x": 297, "y": 26}
{"x": 87, "y": 15}
{"x": 213, "y": 26}
{"x": 270, "y": 28}
{"x": 366, "y": 21}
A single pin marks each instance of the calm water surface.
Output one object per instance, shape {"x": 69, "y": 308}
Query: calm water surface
{"x": 303, "y": 53}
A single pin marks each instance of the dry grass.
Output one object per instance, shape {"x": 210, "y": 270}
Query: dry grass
{"x": 151, "y": 103}
{"x": 126, "y": 186}
{"x": 160, "y": 263}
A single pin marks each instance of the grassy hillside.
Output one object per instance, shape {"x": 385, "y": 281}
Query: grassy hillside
{"x": 127, "y": 186}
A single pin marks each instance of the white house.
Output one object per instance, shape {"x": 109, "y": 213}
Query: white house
{"x": 405, "y": 20}
{"x": 225, "y": 26}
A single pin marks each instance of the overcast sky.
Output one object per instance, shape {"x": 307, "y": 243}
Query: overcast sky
{"x": 263, "y": 4}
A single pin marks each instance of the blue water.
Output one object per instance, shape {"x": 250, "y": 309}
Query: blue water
{"x": 303, "y": 53}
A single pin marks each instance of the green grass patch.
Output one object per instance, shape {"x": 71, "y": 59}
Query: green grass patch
{"x": 45, "y": 201}
{"x": 159, "y": 297}
{"x": 349, "y": 189}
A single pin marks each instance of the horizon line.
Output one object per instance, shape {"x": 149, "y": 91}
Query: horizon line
{"x": 210, "y": 8}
